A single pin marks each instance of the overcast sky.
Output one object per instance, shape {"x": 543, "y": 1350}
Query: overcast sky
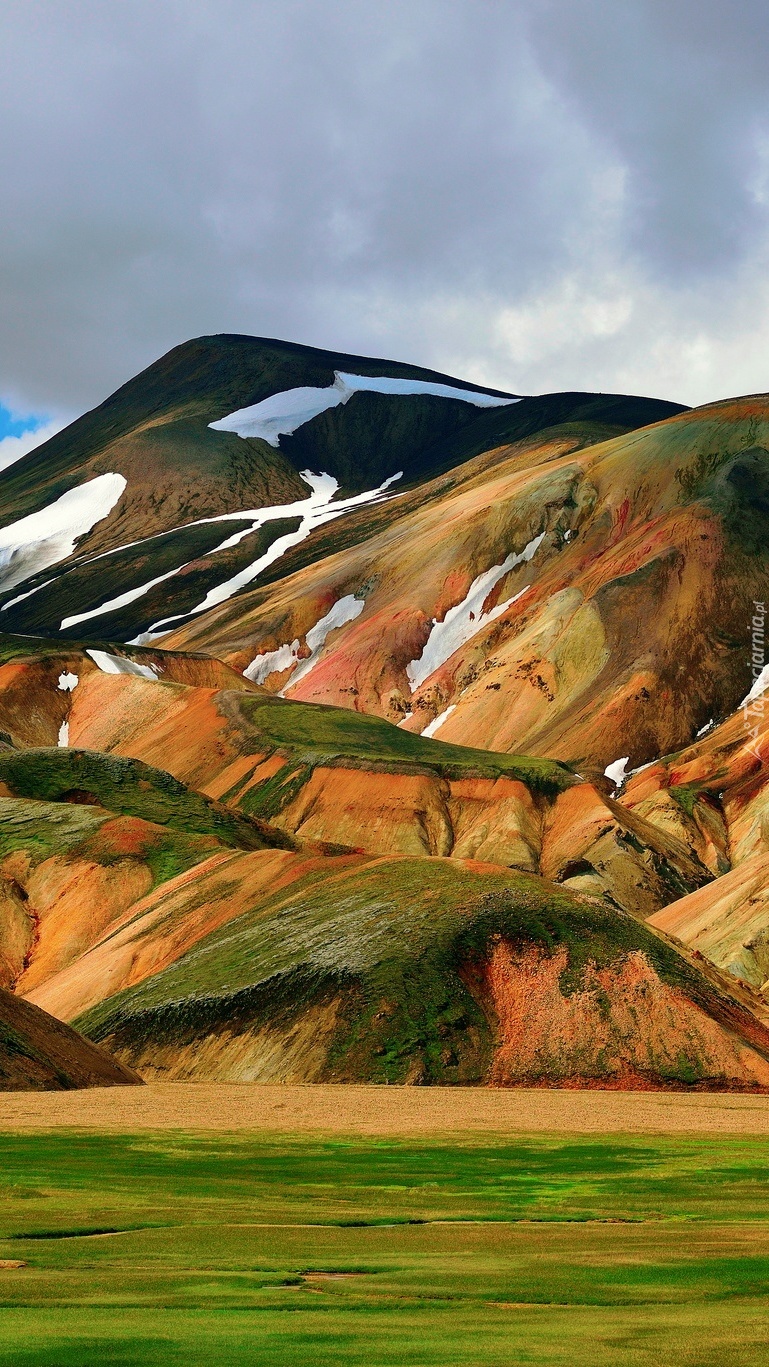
{"x": 533, "y": 194}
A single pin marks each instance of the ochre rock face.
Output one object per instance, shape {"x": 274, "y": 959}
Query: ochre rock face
{"x": 158, "y": 929}
{"x": 623, "y": 1029}
{"x": 713, "y": 795}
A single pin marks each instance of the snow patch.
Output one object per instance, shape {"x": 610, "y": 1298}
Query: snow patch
{"x": 467, "y": 618}
{"x": 68, "y": 682}
{"x": 706, "y": 727}
{"x": 760, "y": 686}
{"x": 404, "y": 719}
{"x": 617, "y": 771}
{"x": 281, "y": 414}
{"x": 438, "y": 721}
{"x": 344, "y": 610}
{"x": 63, "y": 740}
{"x": 49, "y": 535}
{"x": 119, "y": 664}
{"x": 272, "y": 662}
{"x": 287, "y": 656}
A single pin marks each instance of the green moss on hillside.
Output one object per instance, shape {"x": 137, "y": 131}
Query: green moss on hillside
{"x": 126, "y": 786}
{"x": 394, "y": 945}
{"x": 312, "y": 733}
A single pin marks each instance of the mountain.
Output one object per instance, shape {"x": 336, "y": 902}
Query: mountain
{"x": 143, "y": 510}
{"x": 586, "y": 604}
{"x": 431, "y": 765}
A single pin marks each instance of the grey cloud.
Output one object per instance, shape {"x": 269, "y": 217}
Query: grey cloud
{"x": 678, "y": 92}
{"x": 402, "y": 178}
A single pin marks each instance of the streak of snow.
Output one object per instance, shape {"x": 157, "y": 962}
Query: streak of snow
{"x": 391, "y": 384}
{"x": 122, "y": 601}
{"x": 68, "y": 682}
{"x": 405, "y": 718}
{"x": 281, "y": 414}
{"x": 706, "y": 727}
{"x": 439, "y": 720}
{"x": 287, "y": 656}
{"x": 467, "y": 618}
{"x": 314, "y": 511}
{"x": 63, "y": 740}
{"x": 21, "y": 596}
{"x": 617, "y": 771}
{"x": 760, "y": 686}
{"x": 344, "y": 610}
{"x": 119, "y": 664}
{"x": 272, "y": 662}
{"x": 49, "y": 535}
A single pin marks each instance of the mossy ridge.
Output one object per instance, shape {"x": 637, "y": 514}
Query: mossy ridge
{"x": 129, "y": 787}
{"x": 18, "y": 648}
{"x": 46, "y": 828}
{"x": 396, "y": 944}
{"x": 314, "y": 733}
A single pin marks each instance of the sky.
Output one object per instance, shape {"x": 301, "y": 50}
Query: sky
{"x": 535, "y": 195}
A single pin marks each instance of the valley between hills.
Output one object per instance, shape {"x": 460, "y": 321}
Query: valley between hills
{"x": 361, "y": 725}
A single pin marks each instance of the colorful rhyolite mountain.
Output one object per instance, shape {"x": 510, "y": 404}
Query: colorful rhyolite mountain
{"x": 357, "y": 722}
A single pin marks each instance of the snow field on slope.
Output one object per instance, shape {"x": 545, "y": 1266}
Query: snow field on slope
{"x": 312, "y": 512}
{"x": 282, "y": 414}
{"x": 119, "y": 664}
{"x": 467, "y": 618}
{"x": 49, "y": 535}
{"x": 438, "y": 721}
{"x": 617, "y": 771}
{"x": 345, "y": 610}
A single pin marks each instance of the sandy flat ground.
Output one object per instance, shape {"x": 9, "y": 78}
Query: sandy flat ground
{"x": 382, "y": 1110}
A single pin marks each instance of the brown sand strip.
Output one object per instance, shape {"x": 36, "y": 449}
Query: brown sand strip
{"x": 382, "y": 1110}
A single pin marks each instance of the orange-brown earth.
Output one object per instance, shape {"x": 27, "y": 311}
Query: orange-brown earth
{"x": 90, "y": 923}
{"x": 202, "y": 736}
{"x": 712, "y": 796}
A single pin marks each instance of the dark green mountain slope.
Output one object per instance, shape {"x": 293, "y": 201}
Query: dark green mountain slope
{"x": 154, "y": 433}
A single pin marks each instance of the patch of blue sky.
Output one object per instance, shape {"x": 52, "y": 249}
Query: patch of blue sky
{"x": 15, "y": 425}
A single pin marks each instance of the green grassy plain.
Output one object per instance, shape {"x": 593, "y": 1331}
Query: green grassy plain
{"x": 228, "y": 1248}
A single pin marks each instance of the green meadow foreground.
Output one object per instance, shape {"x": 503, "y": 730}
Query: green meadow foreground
{"x": 285, "y": 1243}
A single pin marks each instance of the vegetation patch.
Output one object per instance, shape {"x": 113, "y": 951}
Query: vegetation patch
{"x": 126, "y": 786}
{"x": 312, "y": 733}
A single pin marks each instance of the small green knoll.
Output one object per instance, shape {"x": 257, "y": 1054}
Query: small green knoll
{"x": 126, "y": 786}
